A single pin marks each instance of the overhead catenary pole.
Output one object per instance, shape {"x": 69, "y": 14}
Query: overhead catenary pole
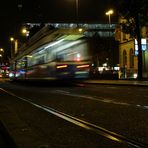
{"x": 140, "y": 71}
{"x": 11, "y": 47}
{"x": 77, "y": 12}
{"x": 109, "y": 13}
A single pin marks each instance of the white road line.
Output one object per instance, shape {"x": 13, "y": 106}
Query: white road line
{"x": 81, "y": 123}
{"x": 74, "y": 120}
{"x": 90, "y": 97}
{"x": 95, "y": 98}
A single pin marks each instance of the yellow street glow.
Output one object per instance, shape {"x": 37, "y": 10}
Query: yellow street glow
{"x": 109, "y": 12}
{"x": 11, "y": 39}
{"x": 114, "y": 138}
{"x": 1, "y": 49}
{"x": 80, "y": 29}
{"x": 24, "y": 30}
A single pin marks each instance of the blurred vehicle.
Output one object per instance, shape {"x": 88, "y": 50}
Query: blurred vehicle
{"x": 104, "y": 73}
{"x": 4, "y": 71}
{"x": 66, "y": 57}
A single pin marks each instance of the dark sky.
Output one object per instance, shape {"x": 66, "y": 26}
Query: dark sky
{"x": 90, "y": 11}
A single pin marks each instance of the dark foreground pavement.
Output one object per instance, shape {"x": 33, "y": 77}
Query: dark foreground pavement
{"x": 6, "y": 141}
{"x": 9, "y": 121}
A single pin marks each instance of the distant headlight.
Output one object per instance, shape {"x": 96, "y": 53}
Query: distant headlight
{"x": 135, "y": 75}
{"x": 11, "y": 75}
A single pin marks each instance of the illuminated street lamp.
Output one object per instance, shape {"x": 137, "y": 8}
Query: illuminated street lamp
{"x": 1, "y": 52}
{"x": 25, "y": 32}
{"x": 12, "y": 51}
{"x": 1, "y": 58}
{"x": 1, "y": 49}
{"x": 14, "y": 46}
{"x": 80, "y": 29}
{"x": 11, "y": 39}
{"x": 109, "y": 13}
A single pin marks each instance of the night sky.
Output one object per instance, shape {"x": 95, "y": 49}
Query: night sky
{"x": 15, "y": 12}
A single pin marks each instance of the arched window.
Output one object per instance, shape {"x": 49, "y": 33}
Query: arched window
{"x": 124, "y": 58}
{"x": 131, "y": 56}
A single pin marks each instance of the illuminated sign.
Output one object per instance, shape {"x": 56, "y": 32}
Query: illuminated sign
{"x": 143, "y": 45}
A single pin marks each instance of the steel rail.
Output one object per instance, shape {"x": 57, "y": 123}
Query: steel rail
{"x": 84, "y": 124}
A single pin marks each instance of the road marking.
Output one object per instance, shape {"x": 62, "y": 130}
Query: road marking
{"x": 84, "y": 124}
{"x": 90, "y": 97}
{"x": 95, "y": 98}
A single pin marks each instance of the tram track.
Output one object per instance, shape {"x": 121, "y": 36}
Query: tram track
{"x": 85, "y": 125}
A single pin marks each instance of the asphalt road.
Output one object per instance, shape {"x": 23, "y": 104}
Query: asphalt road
{"x": 119, "y": 109}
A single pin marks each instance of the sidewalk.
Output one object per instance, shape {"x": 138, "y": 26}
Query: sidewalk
{"x": 119, "y": 82}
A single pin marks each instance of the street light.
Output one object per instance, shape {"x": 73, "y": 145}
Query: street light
{"x": 109, "y": 13}
{"x": 1, "y": 49}
{"x": 1, "y": 54}
{"x": 11, "y": 39}
{"x": 12, "y": 52}
{"x": 25, "y": 31}
{"x": 14, "y": 46}
{"x": 80, "y": 30}
{"x": 1, "y": 59}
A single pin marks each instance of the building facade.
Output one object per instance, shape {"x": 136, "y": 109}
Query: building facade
{"x": 128, "y": 54}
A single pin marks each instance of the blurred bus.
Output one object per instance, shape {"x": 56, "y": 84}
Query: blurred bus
{"x": 60, "y": 54}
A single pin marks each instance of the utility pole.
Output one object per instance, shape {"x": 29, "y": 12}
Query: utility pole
{"x": 109, "y": 13}
{"x": 77, "y": 12}
{"x": 138, "y": 33}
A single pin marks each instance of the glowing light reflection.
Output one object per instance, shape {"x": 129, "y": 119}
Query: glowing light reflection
{"x": 62, "y": 66}
{"x": 83, "y": 66}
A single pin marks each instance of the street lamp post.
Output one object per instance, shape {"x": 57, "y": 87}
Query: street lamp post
{"x": 14, "y": 46}
{"x": 1, "y": 55}
{"x": 77, "y": 10}
{"x": 109, "y": 13}
{"x": 76, "y": 6}
{"x": 1, "y": 59}
{"x": 11, "y": 48}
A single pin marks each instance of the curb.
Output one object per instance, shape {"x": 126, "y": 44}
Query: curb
{"x": 6, "y": 136}
{"x": 115, "y": 83}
